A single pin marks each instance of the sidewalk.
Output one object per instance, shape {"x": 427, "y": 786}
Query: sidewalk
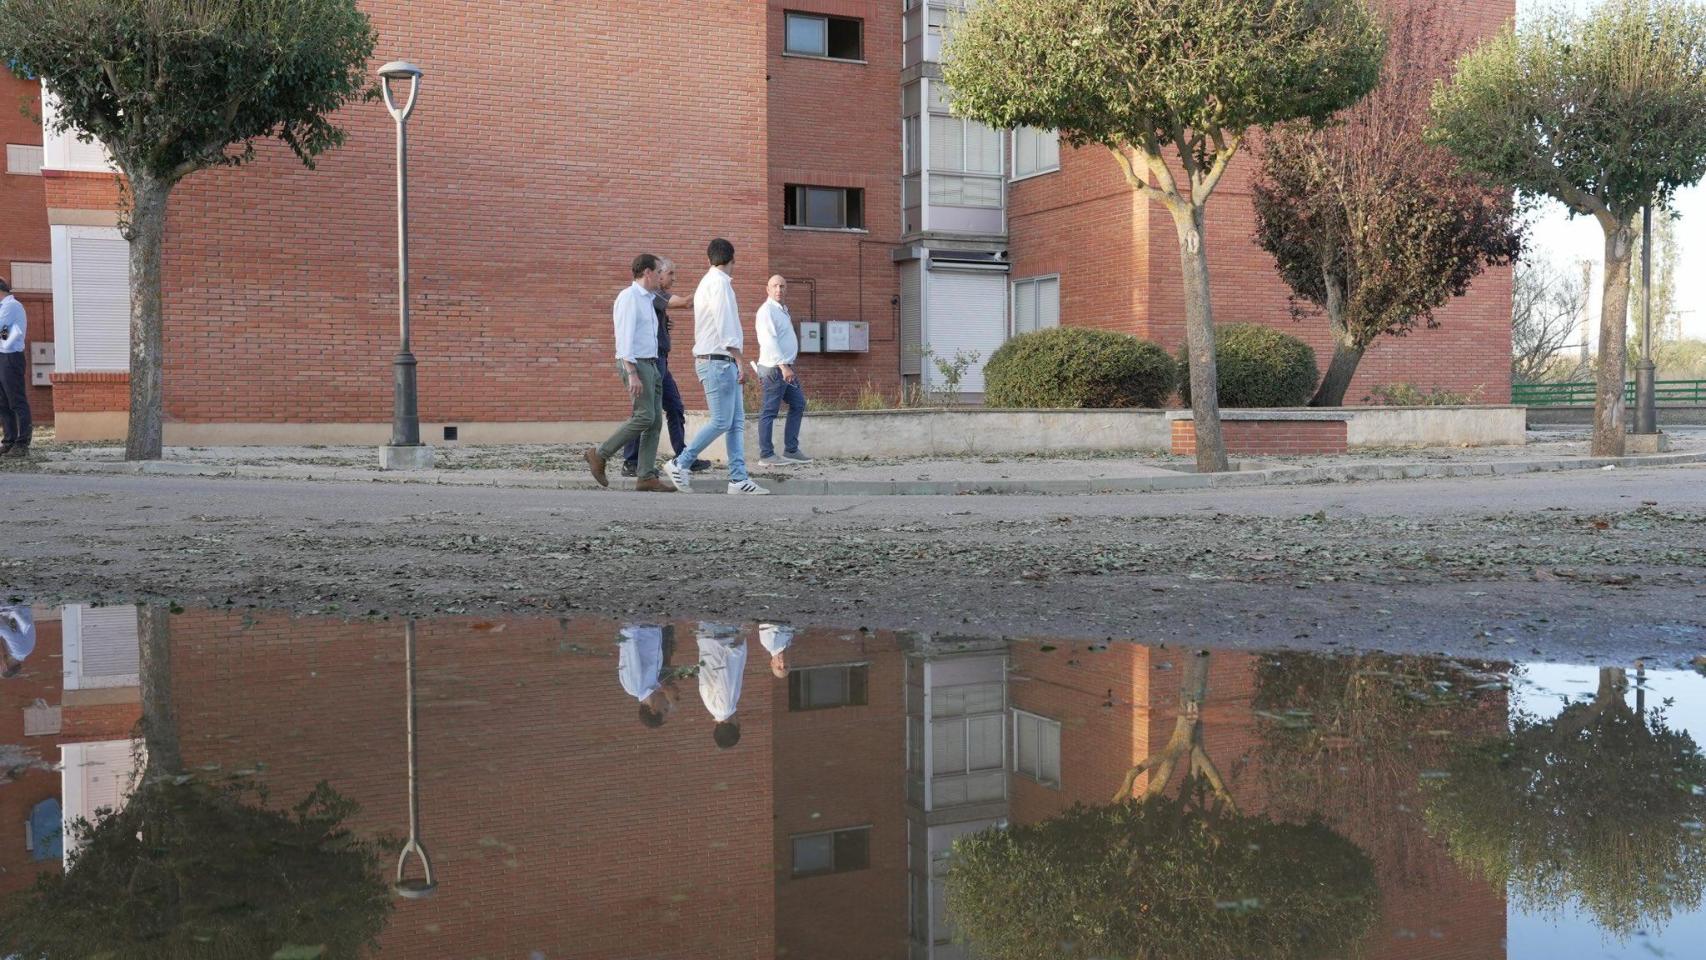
{"x": 562, "y": 468}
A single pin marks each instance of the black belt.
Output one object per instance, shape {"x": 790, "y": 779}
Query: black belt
{"x": 714, "y": 356}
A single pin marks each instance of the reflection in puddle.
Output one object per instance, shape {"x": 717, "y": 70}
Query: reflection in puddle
{"x": 594, "y": 790}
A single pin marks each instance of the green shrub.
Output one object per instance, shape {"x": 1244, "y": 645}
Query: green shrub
{"x": 1258, "y": 367}
{"x": 1071, "y": 367}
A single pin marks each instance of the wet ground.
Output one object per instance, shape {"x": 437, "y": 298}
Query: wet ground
{"x": 657, "y": 787}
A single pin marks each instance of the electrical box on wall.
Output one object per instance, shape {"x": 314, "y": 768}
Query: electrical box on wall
{"x": 846, "y": 336}
{"x": 811, "y": 337}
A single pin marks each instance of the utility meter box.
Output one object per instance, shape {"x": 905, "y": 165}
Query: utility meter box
{"x": 846, "y": 336}
{"x": 811, "y": 336}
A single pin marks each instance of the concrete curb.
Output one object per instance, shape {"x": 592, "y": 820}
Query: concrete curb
{"x": 1342, "y": 473}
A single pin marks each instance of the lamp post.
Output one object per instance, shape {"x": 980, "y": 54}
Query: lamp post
{"x": 1646, "y": 405}
{"x": 413, "y": 888}
{"x": 405, "y": 451}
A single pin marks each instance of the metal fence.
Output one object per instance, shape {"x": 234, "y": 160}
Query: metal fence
{"x": 1580, "y": 394}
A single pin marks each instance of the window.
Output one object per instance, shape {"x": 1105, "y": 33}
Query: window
{"x": 1036, "y": 748}
{"x": 839, "y": 851}
{"x": 32, "y": 277}
{"x": 827, "y": 208}
{"x": 1035, "y": 151}
{"x": 1036, "y": 304}
{"x": 820, "y": 688}
{"x": 23, "y": 159}
{"x": 833, "y": 38}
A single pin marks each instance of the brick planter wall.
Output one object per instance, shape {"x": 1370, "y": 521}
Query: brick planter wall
{"x": 1267, "y": 437}
{"x": 91, "y": 392}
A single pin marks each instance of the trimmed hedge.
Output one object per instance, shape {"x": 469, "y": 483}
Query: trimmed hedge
{"x": 1258, "y": 367}
{"x": 1071, "y": 367}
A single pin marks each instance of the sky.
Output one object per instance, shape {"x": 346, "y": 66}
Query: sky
{"x": 1567, "y": 242}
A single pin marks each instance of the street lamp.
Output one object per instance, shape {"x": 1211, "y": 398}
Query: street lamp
{"x": 413, "y": 888}
{"x": 1646, "y": 404}
{"x": 405, "y": 451}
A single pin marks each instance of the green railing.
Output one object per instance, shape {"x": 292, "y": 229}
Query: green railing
{"x": 1580, "y": 394}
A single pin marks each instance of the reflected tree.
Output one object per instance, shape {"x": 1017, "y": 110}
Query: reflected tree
{"x": 1152, "y": 876}
{"x": 195, "y": 868}
{"x": 1600, "y": 806}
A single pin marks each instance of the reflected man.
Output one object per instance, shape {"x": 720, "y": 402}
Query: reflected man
{"x": 18, "y": 630}
{"x": 776, "y": 638}
{"x": 641, "y": 664}
{"x": 722, "y": 663}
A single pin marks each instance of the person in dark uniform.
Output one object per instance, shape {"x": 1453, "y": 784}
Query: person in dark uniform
{"x": 674, "y": 411}
{"x": 15, "y": 375}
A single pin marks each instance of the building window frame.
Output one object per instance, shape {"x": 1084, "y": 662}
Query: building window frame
{"x": 25, "y": 159}
{"x": 858, "y": 694}
{"x": 1032, "y": 287}
{"x": 830, "y": 24}
{"x": 1019, "y": 135}
{"x": 798, "y": 208}
{"x": 1046, "y": 727}
{"x": 852, "y": 858}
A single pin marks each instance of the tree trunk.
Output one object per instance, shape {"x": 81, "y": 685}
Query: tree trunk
{"x": 1608, "y": 406}
{"x": 1199, "y": 336}
{"x": 147, "y": 231}
{"x": 159, "y": 718}
{"x": 1346, "y": 353}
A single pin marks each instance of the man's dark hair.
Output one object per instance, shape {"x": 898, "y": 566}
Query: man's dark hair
{"x": 644, "y": 262}
{"x": 650, "y": 717}
{"x": 726, "y": 734}
{"x": 721, "y": 252}
{"x": 4, "y": 286}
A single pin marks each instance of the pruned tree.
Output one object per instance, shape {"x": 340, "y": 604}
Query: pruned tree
{"x": 192, "y": 867}
{"x": 1366, "y": 221}
{"x": 1599, "y": 807}
{"x": 1546, "y": 309}
{"x": 1603, "y": 110}
{"x": 1185, "y": 745}
{"x": 1171, "y": 88}
{"x": 172, "y": 87}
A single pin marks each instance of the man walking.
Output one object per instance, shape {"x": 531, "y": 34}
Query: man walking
{"x": 14, "y": 376}
{"x": 722, "y": 667}
{"x": 778, "y": 348}
{"x": 637, "y": 359}
{"x": 18, "y": 634}
{"x": 674, "y": 411}
{"x": 642, "y": 664}
{"x": 717, "y": 345}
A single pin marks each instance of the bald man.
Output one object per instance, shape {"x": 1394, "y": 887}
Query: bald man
{"x": 778, "y": 348}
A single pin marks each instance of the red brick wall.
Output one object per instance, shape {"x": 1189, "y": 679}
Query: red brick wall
{"x": 22, "y": 210}
{"x": 552, "y": 142}
{"x": 40, "y": 679}
{"x": 1270, "y": 437}
{"x": 837, "y": 124}
{"x": 92, "y": 392}
{"x": 556, "y": 821}
{"x": 1079, "y": 222}
{"x": 82, "y": 189}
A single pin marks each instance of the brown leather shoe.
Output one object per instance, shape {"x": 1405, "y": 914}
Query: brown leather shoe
{"x": 596, "y": 462}
{"x": 653, "y": 485}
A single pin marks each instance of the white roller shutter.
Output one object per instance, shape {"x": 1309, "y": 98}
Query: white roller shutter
{"x": 95, "y": 776}
{"x": 100, "y": 299}
{"x": 967, "y": 313}
{"x": 101, "y": 648}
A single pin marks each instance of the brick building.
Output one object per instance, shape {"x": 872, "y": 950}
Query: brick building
{"x": 553, "y": 141}
{"x": 25, "y": 260}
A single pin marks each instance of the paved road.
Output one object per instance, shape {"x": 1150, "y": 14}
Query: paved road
{"x": 1580, "y": 564}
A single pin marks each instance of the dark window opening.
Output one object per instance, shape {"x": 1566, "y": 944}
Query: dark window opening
{"x": 822, "y": 688}
{"x": 815, "y": 35}
{"x": 830, "y": 208}
{"x": 841, "y": 851}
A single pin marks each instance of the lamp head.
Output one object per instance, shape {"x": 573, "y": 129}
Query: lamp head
{"x": 400, "y": 70}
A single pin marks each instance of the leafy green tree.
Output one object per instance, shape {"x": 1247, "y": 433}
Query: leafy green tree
{"x": 1600, "y": 806}
{"x": 1171, "y": 88}
{"x": 1369, "y": 223}
{"x": 196, "y": 869}
{"x": 1604, "y": 111}
{"x": 171, "y": 87}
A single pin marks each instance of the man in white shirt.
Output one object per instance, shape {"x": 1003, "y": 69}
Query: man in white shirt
{"x": 14, "y": 376}
{"x": 722, "y": 663}
{"x": 641, "y": 661}
{"x": 637, "y": 360}
{"x": 717, "y": 346}
{"x": 777, "y": 637}
{"x": 778, "y": 348}
{"x": 18, "y": 632}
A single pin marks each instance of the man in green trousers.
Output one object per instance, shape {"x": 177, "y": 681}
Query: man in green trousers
{"x": 637, "y": 359}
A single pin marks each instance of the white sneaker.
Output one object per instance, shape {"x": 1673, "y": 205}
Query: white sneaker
{"x": 682, "y": 479}
{"x": 796, "y": 458}
{"x": 748, "y": 488}
{"x": 771, "y": 463}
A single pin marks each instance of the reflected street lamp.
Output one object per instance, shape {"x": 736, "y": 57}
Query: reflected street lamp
{"x": 413, "y": 888}
{"x": 405, "y": 451}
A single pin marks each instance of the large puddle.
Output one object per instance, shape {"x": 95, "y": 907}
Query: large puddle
{"x": 249, "y": 784}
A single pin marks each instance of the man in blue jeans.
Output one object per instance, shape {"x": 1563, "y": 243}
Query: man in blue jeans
{"x": 717, "y": 346}
{"x": 778, "y": 348}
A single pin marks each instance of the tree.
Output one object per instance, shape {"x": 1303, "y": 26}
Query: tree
{"x": 1546, "y": 306}
{"x": 1367, "y": 222}
{"x": 1599, "y": 806}
{"x": 191, "y": 868}
{"x": 1604, "y": 111}
{"x": 1171, "y": 88}
{"x": 171, "y": 87}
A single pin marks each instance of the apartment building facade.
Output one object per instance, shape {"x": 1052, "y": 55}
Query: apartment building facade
{"x": 554, "y": 141}
{"x": 24, "y": 254}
